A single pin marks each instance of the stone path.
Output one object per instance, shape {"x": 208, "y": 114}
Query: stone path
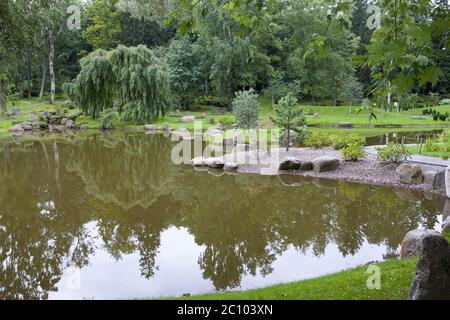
{"x": 420, "y": 159}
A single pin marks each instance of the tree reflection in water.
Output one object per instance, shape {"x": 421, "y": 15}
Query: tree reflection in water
{"x": 127, "y": 186}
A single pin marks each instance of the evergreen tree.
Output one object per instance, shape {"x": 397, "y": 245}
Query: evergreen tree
{"x": 289, "y": 116}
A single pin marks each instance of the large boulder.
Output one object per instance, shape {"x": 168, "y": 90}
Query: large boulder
{"x": 70, "y": 123}
{"x": 150, "y": 127}
{"x": 325, "y": 164}
{"x": 198, "y": 162}
{"x": 27, "y": 127}
{"x": 409, "y": 174}
{"x": 217, "y": 163}
{"x": 306, "y": 166}
{"x": 187, "y": 119}
{"x": 230, "y": 166}
{"x": 432, "y": 278}
{"x": 45, "y": 114}
{"x": 17, "y": 129}
{"x": 428, "y": 177}
{"x": 290, "y": 163}
{"x": 412, "y": 242}
{"x": 439, "y": 181}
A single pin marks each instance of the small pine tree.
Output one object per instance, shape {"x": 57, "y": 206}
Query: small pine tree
{"x": 246, "y": 109}
{"x": 289, "y": 116}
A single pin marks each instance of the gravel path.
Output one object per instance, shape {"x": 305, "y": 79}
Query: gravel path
{"x": 367, "y": 171}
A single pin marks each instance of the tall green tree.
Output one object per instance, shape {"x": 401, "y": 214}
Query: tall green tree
{"x": 401, "y": 51}
{"x": 184, "y": 70}
{"x": 104, "y": 27}
{"x": 133, "y": 76}
{"x": 289, "y": 116}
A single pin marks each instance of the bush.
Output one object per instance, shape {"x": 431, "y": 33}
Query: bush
{"x": 430, "y": 145}
{"x": 109, "y": 116}
{"x": 210, "y": 120}
{"x": 393, "y": 153}
{"x": 246, "y": 109}
{"x": 353, "y": 152}
{"x": 435, "y": 117}
{"x": 442, "y": 117}
{"x": 217, "y": 102}
{"x": 226, "y": 121}
{"x": 340, "y": 142}
{"x": 318, "y": 140}
{"x": 301, "y": 137}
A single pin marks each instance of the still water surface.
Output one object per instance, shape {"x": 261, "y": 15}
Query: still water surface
{"x": 110, "y": 216}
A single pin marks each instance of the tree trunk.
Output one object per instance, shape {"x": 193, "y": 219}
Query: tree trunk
{"x": 28, "y": 73}
{"x": 313, "y": 100}
{"x": 334, "y": 94}
{"x": 2, "y": 99}
{"x": 51, "y": 62}
{"x": 350, "y": 107}
{"x": 229, "y": 95}
{"x": 44, "y": 76}
{"x": 206, "y": 87}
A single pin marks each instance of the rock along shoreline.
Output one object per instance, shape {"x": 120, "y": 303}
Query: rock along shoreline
{"x": 366, "y": 171}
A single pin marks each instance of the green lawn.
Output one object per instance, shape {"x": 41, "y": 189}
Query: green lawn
{"x": 396, "y": 278}
{"x": 333, "y": 115}
{"x": 439, "y": 154}
{"x": 327, "y": 116}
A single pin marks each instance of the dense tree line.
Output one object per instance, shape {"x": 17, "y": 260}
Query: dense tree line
{"x": 322, "y": 49}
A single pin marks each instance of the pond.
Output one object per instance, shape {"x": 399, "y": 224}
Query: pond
{"x": 109, "y": 216}
{"x": 408, "y": 137}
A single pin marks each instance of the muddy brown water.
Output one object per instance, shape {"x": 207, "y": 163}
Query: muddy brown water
{"x": 110, "y": 216}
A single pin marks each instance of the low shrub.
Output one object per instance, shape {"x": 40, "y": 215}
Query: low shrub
{"x": 301, "y": 137}
{"x": 109, "y": 116}
{"x": 431, "y": 145}
{"x": 393, "y": 153}
{"x": 318, "y": 140}
{"x": 353, "y": 152}
{"x": 210, "y": 120}
{"x": 218, "y": 102}
{"x": 226, "y": 121}
{"x": 342, "y": 141}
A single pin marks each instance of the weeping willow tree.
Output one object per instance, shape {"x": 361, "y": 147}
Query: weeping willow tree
{"x": 143, "y": 81}
{"x": 95, "y": 86}
{"x": 132, "y": 76}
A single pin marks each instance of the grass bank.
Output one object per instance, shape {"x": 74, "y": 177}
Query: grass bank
{"x": 437, "y": 154}
{"x": 328, "y": 116}
{"x": 396, "y": 279}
